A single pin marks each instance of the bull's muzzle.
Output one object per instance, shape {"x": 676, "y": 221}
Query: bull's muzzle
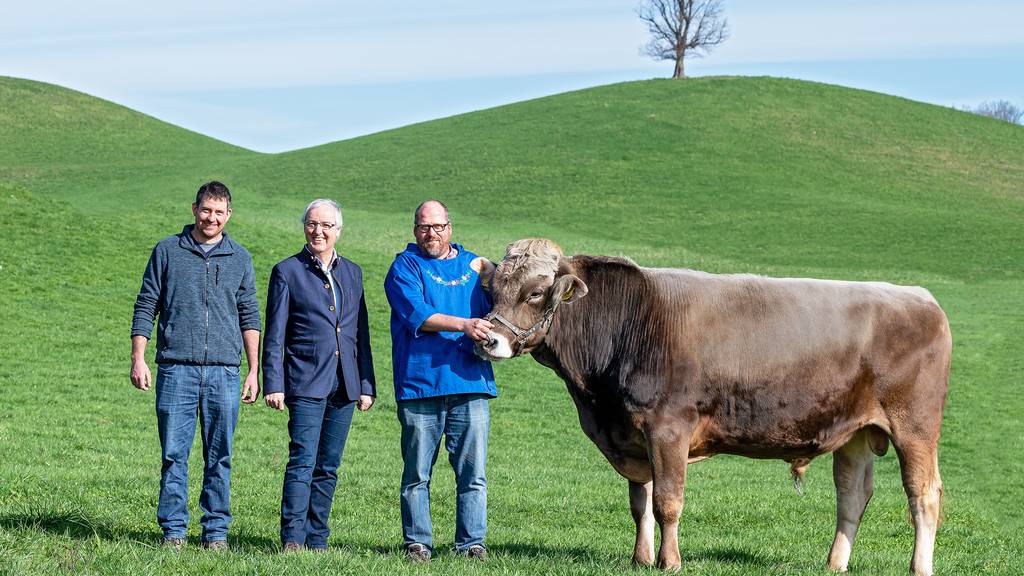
{"x": 495, "y": 347}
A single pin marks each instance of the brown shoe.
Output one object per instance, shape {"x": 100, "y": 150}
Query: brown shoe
{"x": 216, "y": 545}
{"x": 476, "y": 552}
{"x": 417, "y": 553}
{"x": 176, "y": 543}
{"x": 291, "y": 548}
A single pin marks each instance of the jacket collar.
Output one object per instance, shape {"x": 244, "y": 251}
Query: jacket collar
{"x": 312, "y": 259}
{"x": 186, "y": 241}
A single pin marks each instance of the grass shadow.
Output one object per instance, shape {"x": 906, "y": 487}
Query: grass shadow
{"x": 514, "y": 550}
{"x": 729, "y": 555}
{"x": 73, "y": 523}
{"x": 529, "y": 550}
{"x": 585, "y": 555}
{"x": 80, "y": 526}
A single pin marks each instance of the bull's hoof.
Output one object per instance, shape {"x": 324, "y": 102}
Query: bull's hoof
{"x": 642, "y": 561}
{"x": 669, "y": 566}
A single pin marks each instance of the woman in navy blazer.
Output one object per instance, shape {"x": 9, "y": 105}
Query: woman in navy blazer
{"x": 317, "y": 362}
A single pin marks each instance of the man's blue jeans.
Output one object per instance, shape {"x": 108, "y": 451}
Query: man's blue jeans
{"x": 318, "y": 429}
{"x": 464, "y": 419}
{"x": 182, "y": 393}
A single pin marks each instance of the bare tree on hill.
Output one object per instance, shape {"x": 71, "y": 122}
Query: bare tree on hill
{"x": 682, "y": 29}
{"x": 1001, "y": 110}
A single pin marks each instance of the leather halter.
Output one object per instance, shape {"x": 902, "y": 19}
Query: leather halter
{"x": 523, "y": 335}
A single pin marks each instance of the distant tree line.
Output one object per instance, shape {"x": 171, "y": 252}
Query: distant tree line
{"x": 1000, "y": 110}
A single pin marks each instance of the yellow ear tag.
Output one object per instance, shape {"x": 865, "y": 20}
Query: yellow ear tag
{"x": 568, "y": 294}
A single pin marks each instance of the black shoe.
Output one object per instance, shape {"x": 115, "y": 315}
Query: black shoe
{"x": 417, "y": 553}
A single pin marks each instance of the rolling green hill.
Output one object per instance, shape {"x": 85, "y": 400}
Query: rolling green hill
{"x": 73, "y": 146}
{"x": 761, "y": 175}
{"x": 787, "y": 173}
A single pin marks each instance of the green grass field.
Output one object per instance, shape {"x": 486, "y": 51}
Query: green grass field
{"x": 762, "y": 175}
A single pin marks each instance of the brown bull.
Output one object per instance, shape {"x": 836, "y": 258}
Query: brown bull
{"x": 667, "y": 366}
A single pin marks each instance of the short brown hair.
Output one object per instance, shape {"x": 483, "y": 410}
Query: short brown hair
{"x": 213, "y": 190}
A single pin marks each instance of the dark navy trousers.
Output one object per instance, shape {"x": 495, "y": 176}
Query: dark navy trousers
{"x": 318, "y": 429}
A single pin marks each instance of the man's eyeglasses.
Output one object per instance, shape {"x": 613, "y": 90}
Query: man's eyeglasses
{"x": 325, "y": 226}
{"x": 437, "y": 228}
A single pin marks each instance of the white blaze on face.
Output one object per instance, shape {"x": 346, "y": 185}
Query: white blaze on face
{"x": 501, "y": 348}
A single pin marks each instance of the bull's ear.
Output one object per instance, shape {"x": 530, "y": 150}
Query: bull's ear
{"x": 568, "y": 288}
{"x": 485, "y": 268}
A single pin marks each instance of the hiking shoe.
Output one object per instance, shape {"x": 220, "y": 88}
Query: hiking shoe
{"x": 216, "y": 545}
{"x": 475, "y": 552}
{"x": 291, "y": 548}
{"x": 417, "y": 553}
{"x": 176, "y": 543}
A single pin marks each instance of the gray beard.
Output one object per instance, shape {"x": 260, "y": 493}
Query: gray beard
{"x": 439, "y": 252}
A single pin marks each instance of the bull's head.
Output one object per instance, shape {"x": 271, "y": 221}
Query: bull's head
{"x": 527, "y": 287}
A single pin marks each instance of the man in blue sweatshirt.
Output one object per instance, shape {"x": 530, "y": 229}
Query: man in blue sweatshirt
{"x": 442, "y": 388}
{"x": 201, "y": 284}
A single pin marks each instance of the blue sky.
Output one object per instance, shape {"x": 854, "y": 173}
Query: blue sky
{"x": 276, "y": 76}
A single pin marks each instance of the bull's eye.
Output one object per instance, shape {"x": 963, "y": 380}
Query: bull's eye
{"x": 536, "y": 294}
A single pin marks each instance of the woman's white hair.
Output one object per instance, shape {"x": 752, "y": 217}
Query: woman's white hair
{"x": 322, "y": 202}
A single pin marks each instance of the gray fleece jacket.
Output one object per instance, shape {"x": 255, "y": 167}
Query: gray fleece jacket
{"x": 204, "y": 301}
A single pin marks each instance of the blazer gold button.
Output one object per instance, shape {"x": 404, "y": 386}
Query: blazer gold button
{"x": 332, "y": 308}
{"x": 327, "y": 285}
{"x": 338, "y": 329}
{"x": 336, "y": 353}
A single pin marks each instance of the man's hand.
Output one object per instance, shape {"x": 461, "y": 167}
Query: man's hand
{"x": 364, "y": 402}
{"x": 251, "y": 388}
{"x": 477, "y": 328}
{"x": 275, "y": 400}
{"x": 140, "y": 375}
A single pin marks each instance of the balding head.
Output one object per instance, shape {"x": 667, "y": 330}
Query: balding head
{"x": 431, "y": 205}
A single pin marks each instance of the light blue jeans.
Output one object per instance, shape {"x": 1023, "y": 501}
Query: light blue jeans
{"x": 464, "y": 419}
{"x": 184, "y": 392}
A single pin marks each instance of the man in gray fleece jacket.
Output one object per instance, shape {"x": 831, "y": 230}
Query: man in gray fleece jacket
{"x": 201, "y": 284}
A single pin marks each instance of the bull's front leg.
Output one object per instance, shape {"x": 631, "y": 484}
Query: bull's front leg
{"x": 640, "y": 494}
{"x": 668, "y": 448}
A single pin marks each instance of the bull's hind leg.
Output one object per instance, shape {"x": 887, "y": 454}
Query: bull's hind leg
{"x": 920, "y": 469}
{"x": 852, "y": 470}
{"x": 643, "y": 515}
{"x": 915, "y": 435}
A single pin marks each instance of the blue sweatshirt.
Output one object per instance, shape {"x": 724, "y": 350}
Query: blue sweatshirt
{"x": 204, "y": 300}
{"x": 430, "y": 364}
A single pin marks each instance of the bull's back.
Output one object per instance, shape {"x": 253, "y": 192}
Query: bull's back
{"x": 792, "y": 367}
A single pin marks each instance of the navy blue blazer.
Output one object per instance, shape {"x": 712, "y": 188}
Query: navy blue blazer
{"x": 307, "y": 345}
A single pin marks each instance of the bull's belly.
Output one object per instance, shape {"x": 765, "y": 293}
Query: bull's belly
{"x": 796, "y": 423}
{"x": 808, "y": 410}
{"x": 799, "y": 438}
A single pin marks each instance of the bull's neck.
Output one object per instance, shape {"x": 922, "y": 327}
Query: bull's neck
{"x": 588, "y": 337}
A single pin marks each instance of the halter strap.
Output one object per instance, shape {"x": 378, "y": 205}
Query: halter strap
{"x": 523, "y": 335}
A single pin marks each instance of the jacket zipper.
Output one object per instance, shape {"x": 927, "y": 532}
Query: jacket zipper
{"x": 206, "y": 310}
